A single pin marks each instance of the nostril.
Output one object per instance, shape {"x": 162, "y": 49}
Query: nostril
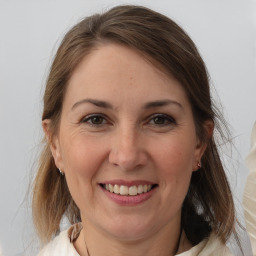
{"x": 128, "y": 160}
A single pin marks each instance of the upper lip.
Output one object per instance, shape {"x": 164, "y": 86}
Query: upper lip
{"x": 128, "y": 183}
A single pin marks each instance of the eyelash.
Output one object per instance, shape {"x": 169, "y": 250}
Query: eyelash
{"x": 166, "y": 119}
{"x": 88, "y": 119}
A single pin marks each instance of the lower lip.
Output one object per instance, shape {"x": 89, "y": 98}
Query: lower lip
{"x": 128, "y": 200}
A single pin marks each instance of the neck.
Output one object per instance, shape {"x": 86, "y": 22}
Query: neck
{"x": 166, "y": 242}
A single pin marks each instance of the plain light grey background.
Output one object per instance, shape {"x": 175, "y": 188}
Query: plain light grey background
{"x": 30, "y": 31}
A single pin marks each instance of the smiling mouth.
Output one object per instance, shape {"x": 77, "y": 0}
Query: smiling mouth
{"x": 128, "y": 190}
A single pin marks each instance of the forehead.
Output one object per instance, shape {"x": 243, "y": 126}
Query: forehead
{"x": 112, "y": 69}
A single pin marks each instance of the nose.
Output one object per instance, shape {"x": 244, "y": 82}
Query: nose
{"x": 127, "y": 150}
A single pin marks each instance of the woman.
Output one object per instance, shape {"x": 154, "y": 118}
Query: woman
{"x": 130, "y": 157}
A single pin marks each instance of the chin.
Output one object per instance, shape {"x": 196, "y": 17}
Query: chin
{"x": 130, "y": 228}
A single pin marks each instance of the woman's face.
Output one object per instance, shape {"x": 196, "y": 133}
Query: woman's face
{"x": 126, "y": 126}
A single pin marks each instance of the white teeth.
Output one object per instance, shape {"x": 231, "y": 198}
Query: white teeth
{"x": 140, "y": 189}
{"x": 111, "y": 188}
{"x": 125, "y": 190}
{"x": 133, "y": 191}
{"x": 116, "y": 189}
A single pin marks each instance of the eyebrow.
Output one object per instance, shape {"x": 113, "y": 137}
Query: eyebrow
{"x": 162, "y": 103}
{"x": 98, "y": 103}
{"x": 104, "y": 104}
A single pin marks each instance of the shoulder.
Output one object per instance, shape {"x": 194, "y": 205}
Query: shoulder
{"x": 249, "y": 201}
{"x": 61, "y": 244}
{"x": 211, "y": 246}
{"x": 251, "y": 159}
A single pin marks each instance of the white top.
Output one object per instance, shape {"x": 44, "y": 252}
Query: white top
{"x": 249, "y": 200}
{"x": 62, "y": 245}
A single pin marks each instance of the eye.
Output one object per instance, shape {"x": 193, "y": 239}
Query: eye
{"x": 161, "y": 120}
{"x": 95, "y": 120}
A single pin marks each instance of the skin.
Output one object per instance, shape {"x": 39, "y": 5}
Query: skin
{"x": 130, "y": 140}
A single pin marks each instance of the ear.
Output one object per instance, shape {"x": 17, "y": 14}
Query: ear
{"x": 202, "y": 144}
{"x": 54, "y": 144}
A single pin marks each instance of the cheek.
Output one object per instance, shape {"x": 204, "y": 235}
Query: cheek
{"x": 82, "y": 155}
{"x": 175, "y": 157}
{"x": 174, "y": 163}
{"x": 82, "y": 158}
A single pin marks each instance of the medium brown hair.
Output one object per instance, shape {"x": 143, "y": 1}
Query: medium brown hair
{"x": 208, "y": 205}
